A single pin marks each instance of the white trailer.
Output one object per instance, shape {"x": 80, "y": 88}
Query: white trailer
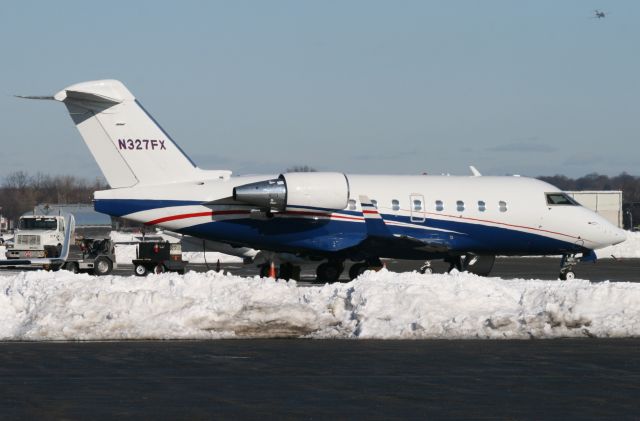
{"x": 604, "y": 202}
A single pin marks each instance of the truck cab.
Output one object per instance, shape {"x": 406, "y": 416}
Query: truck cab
{"x": 37, "y": 236}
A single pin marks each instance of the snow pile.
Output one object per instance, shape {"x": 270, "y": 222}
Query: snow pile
{"x": 62, "y": 306}
{"x": 627, "y": 249}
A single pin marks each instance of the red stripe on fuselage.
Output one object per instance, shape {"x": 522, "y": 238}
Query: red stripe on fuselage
{"x": 195, "y": 215}
{"x": 243, "y": 212}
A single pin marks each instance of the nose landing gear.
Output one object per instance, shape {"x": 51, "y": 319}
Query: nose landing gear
{"x": 568, "y": 262}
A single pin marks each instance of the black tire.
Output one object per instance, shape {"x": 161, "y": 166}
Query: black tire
{"x": 286, "y": 271}
{"x": 357, "y": 270}
{"x": 140, "y": 270}
{"x": 72, "y": 267}
{"x": 50, "y": 251}
{"x": 480, "y": 265}
{"x": 102, "y": 266}
{"x": 567, "y": 276}
{"x": 159, "y": 268}
{"x": 328, "y": 273}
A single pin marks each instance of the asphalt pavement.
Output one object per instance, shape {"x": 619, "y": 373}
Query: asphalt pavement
{"x": 547, "y": 268}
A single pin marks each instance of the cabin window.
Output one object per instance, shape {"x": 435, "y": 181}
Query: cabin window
{"x": 561, "y": 199}
{"x": 417, "y": 205}
{"x": 460, "y": 206}
{"x": 439, "y": 205}
{"x": 352, "y": 204}
{"x": 395, "y": 205}
{"x": 374, "y": 203}
{"x": 502, "y": 206}
{"x": 482, "y": 206}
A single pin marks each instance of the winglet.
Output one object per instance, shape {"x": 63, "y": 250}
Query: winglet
{"x": 474, "y": 171}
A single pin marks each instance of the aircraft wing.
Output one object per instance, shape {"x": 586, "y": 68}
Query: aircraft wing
{"x": 380, "y": 236}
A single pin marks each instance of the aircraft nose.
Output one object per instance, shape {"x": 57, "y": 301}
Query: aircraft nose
{"x": 611, "y": 235}
{"x": 618, "y": 236}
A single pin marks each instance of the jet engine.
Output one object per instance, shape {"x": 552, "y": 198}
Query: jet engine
{"x": 310, "y": 189}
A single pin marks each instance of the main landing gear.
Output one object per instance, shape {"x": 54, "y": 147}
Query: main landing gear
{"x": 285, "y": 271}
{"x": 568, "y": 262}
{"x": 359, "y": 268}
{"x": 329, "y": 272}
{"x": 477, "y": 264}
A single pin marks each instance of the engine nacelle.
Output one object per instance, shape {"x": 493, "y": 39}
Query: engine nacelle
{"x": 316, "y": 189}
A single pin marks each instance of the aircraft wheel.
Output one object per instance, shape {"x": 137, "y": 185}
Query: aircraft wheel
{"x": 285, "y": 271}
{"x": 357, "y": 270}
{"x": 568, "y": 275}
{"x": 329, "y": 272}
{"x": 102, "y": 266}
{"x": 140, "y": 270}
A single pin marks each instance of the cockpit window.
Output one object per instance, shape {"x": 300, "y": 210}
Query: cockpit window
{"x": 561, "y": 199}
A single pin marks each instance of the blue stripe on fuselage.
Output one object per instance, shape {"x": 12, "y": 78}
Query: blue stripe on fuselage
{"x": 121, "y": 207}
{"x": 327, "y": 236}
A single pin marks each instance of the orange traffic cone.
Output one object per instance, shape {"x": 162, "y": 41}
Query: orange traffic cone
{"x": 272, "y": 271}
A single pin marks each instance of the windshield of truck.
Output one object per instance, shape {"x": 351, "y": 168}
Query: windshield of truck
{"x": 47, "y": 224}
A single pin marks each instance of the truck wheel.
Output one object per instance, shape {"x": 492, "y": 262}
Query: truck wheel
{"x": 140, "y": 270}
{"x": 102, "y": 266}
{"x": 159, "y": 268}
{"x": 72, "y": 267}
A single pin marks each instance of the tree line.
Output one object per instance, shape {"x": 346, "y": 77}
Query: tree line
{"x": 20, "y": 192}
{"x": 628, "y": 184}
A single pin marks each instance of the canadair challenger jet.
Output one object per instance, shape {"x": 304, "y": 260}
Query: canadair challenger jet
{"x": 325, "y": 216}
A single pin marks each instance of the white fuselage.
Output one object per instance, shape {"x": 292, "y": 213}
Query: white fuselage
{"x": 473, "y": 208}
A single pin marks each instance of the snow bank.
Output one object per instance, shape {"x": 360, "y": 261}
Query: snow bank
{"x": 62, "y": 306}
{"x": 627, "y": 249}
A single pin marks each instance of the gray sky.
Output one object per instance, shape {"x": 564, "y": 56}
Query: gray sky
{"x": 401, "y": 87}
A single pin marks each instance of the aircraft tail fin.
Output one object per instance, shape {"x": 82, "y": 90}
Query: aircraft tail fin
{"x": 126, "y": 142}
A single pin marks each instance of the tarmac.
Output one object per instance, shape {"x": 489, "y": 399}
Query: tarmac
{"x": 343, "y": 379}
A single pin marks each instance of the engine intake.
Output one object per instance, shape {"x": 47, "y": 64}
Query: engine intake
{"x": 324, "y": 190}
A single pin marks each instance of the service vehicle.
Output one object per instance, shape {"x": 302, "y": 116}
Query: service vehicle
{"x": 94, "y": 256}
{"x": 158, "y": 257}
{"x": 38, "y": 236}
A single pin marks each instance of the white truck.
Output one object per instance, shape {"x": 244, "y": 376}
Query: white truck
{"x": 38, "y": 236}
{"x": 49, "y": 242}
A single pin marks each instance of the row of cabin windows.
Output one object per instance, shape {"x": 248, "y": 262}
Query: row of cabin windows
{"x": 417, "y": 205}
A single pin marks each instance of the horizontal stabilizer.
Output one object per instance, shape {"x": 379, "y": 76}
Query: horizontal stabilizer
{"x": 50, "y": 98}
